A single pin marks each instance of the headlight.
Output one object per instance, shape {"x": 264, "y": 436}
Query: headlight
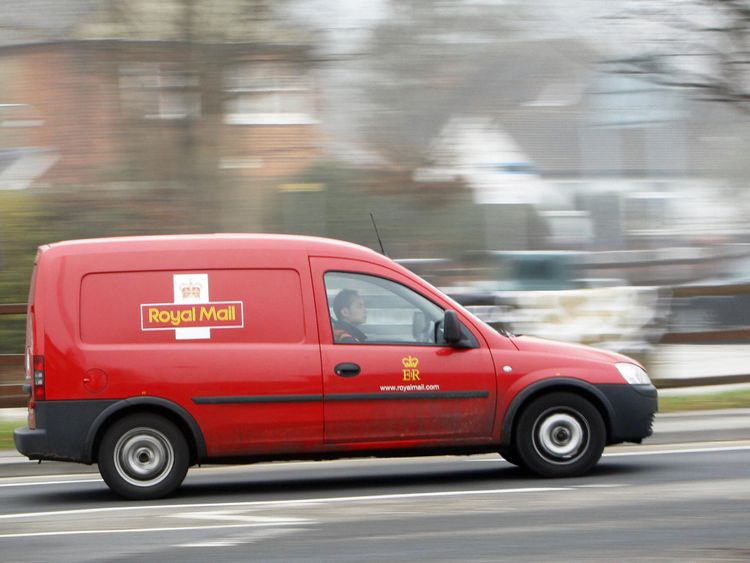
{"x": 633, "y": 374}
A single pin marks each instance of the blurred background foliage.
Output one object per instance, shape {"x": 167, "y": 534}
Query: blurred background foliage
{"x": 29, "y": 219}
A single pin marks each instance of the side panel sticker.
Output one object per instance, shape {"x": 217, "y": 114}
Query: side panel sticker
{"x": 191, "y": 288}
{"x": 192, "y": 315}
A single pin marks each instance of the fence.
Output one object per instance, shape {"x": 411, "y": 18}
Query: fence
{"x": 730, "y": 335}
{"x": 12, "y": 365}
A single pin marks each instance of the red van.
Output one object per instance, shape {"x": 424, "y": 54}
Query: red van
{"x": 148, "y": 355}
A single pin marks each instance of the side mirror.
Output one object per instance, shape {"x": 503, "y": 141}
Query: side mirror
{"x": 452, "y": 329}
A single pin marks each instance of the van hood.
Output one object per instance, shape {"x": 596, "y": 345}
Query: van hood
{"x": 552, "y": 347}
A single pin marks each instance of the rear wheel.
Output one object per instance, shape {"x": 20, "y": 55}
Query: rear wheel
{"x": 143, "y": 456}
{"x": 560, "y": 435}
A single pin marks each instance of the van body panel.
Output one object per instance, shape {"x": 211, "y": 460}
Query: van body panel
{"x": 231, "y": 338}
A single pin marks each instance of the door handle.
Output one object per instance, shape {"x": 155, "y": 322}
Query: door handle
{"x": 347, "y": 370}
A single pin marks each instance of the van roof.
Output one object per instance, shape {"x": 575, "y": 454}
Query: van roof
{"x": 257, "y": 241}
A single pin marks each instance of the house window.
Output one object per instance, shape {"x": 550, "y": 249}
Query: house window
{"x": 625, "y": 101}
{"x": 268, "y": 93}
{"x": 21, "y": 167}
{"x": 22, "y": 163}
{"x": 159, "y": 91}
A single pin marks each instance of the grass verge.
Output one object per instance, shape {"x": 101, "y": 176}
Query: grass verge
{"x": 709, "y": 401}
{"x": 6, "y": 433}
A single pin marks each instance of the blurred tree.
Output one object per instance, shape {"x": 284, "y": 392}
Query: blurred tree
{"x": 24, "y": 225}
{"x": 171, "y": 62}
{"x": 32, "y": 218}
{"x": 414, "y": 221}
{"x": 424, "y": 65}
{"x": 701, "y": 45}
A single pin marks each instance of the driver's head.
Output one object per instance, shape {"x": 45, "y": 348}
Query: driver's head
{"x": 349, "y": 306}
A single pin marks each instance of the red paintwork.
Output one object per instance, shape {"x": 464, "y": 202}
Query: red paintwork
{"x": 87, "y": 319}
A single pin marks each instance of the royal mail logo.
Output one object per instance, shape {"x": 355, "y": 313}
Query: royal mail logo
{"x": 410, "y": 362}
{"x": 191, "y": 290}
{"x": 192, "y": 315}
{"x": 171, "y": 316}
{"x": 410, "y": 371}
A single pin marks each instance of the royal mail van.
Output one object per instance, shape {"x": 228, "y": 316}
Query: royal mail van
{"x": 148, "y": 355}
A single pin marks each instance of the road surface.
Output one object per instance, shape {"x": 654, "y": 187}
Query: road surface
{"x": 648, "y": 503}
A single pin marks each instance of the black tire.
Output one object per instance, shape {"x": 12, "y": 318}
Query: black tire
{"x": 560, "y": 435}
{"x": 510, "y": 454}
{"x": 143, "y": 456}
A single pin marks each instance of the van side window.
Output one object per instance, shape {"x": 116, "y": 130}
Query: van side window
{"x": 373, "y": 310}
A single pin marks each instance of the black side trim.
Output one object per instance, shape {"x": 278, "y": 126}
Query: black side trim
{"x": 338, "y": 397}
{"x": 634, "y": 406}
{"x": 239, "y": 399}
{"x": 68, "y": 430}
{"x": 407, "y": 396}
{"x": 628, "y": 409}
{"x": 558, "y": 383}
{"x": 61, "y": 430}
{"x": 137, "y": 403}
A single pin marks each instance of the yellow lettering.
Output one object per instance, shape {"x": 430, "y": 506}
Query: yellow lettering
{"x": 177, "y": 317}
{"x": 411, "y": 375}
{"x": 208, "y": 313}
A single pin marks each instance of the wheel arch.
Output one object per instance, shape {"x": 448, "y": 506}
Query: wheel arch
{"x": 566, "y": 384}
{"x": 154, "y": 405}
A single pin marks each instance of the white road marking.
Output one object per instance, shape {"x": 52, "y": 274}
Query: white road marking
{"x": 253, "y": 537}
{"x": 682, "y": 451}
{"x": 603, "y": 486}
{"x": 324, "y": 500}
{"x": 145, "y": 530}
{"x": 37, "y": 483}
{"x": 224, "y": 543}
{"x": 8, "y": 481}
{"x": 232, "y": 516}
{"x": 702, "y": 450}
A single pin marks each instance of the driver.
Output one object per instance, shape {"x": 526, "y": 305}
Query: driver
{"x": 350, "y": 311}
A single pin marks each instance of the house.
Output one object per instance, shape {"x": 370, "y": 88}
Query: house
{"x": 207, "y": 93}
{"x": 621, "y": 161}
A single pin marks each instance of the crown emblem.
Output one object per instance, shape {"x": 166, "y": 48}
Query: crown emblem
{"x": 410, "y": 362}
{"x": 191, "y": 290}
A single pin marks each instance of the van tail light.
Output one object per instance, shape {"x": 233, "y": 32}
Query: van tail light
{"x": 38, "y": 392}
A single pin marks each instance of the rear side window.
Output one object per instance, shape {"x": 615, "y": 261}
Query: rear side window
{"x": 232, "y": 306}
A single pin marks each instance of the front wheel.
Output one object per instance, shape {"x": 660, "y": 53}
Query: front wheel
{"x": 560, "y": 435}
{"x": 143, "y": 456}
{"x": 510, "y": 454}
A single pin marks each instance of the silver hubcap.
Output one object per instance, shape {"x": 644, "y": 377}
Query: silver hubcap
{"x": 560, "y": 437}
{"x": 143, "y": 457}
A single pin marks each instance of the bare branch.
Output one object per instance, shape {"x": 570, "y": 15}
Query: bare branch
{"x": 703, "y": 46}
